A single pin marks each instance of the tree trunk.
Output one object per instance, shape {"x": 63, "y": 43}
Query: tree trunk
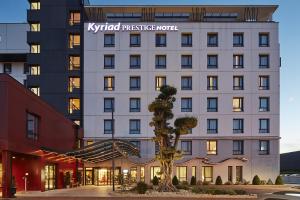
{"x": 166, "y": 177}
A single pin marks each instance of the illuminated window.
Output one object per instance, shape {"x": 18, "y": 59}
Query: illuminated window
{"x": 35, "y": 90}
{"x": 159, "y": 82}
{"x": 74, "y": 83}
{"x": 194, "y": 171}
{"x": 109, "y": 83}
{"x": 181, "y": 173}
{"x": 77, "y": 122}
{"x": 74, "y": 63}
{"x": 35, "y": 27}
{"x": 89, "y": 142}
{"x": 154, "y": 171}
{"x": 238, "y": 61}
{"x": 207, "y": 173}
{"x": 74, "y": 40}
{"x": 35, "y": 48}
{"x": 74, "y": 105}
{"x": 34, "y": 70}
{"x": 133, "y": 174}
{"x": 35, "y": 5}
{"x": 211, "y": 147}
{"x": 74, "y": 18}
{"x": 142, "y": 174}
{"x": 32, "y": 126}
{"x": 212, "y": 83}
{"x": 238, "y": 104}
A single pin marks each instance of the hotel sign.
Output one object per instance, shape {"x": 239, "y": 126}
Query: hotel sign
{"x": 95, "y": 27}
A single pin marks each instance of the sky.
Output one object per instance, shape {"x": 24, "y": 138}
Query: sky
{"x": 287, "y": 15}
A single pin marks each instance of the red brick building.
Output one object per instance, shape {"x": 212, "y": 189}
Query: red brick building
{"x": 33, "y": 140}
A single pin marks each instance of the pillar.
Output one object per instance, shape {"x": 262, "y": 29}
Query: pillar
{"x": 6, "y": 174}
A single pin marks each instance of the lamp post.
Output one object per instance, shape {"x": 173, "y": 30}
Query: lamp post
{"x": 113, "y": 146}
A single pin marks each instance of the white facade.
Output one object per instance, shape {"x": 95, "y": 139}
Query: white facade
{"x": 266, "y": 166}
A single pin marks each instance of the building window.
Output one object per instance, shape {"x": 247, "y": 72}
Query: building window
{"x": 134, "y": 104}
{"x": 154, "y": 171}
{"x": 35, "y": 48}
{"x": 211, "y": 147}
{"x": 35, "y": 90}
{"x": 108, "y": 126}
{"x": 109, "y": 61}
{"x": 186, "y": 61}
{"x": 238, "y": 126}
{"x": 207, "y": 173}
{"x": 35, "y": 27}
{"x": 186, "y": 39}
{"x": 160, "y": 61}
{"x": 264, "y": 147}
{"x": 194, "y": 171}
{"x": 74, "y": 18}
{"x": 212, "y": 61}
{"x": 239, "y": 174}
{"x": 32, "y": 126}
{"x": 35, "y": 5}
{"x": 181, "y": 173}
{"x": 230, "y": 174}
{"x": 238, "y": 39}
{"x": 238, "y": 147}
{"x": 109, "y": 83}
{"x": 264, "y": 125}
{"x": 133, "y": 174}
{"x": 238, "y": 61}
{"x": 212, "y": 104}
{"x": 212, "y": 83}
{"x": 186, "y": 147}
{"x": 109, "y": 40}
{"x": 264, "y": 61}
{"x": 212, "y": 39}
{"x": 142, "y": 174}
{"x": 135, "y": 61}
{"x": 74, "y": 63}
{"x": 74, "y": 83}
{"x": 159, "y": 82}
{"x": 134, "y": 126}
{"x": 161, "y": 40}
{"x": 7, "y": 68}
{"x": 212, "y": 125}
{"x": 264, "y": 82}
{"x": 136, "y": 143}
{"x": 74, "y": 41}
{"x": 25, "y": 69}
{"x": 238, "y": 104}
{"x": 238, "y": 82}
{"x": 109, "y": 104}
{"x": 135, "y": 40}
{"x": 34, "y": 70}
{"x": 186, "y": 104}
{"x": 74, "y": 105}
{"x": 135, "y": 83}
{"x": 186, "y": 83}
{"x": 264, "y": 104}
{"x": 263, "y": 39}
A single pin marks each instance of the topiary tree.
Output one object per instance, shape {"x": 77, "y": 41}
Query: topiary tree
{"x": 279, "y": 181}
{"x": 175, "y": 180}
{"x": 256, "y": 180}
{"x": 219, "y": 181}
{"x": 166, "y": 136}
{"x": 141, "y": 187}
{"x": 193, "y": 180}
{"x": 155, "y": 180}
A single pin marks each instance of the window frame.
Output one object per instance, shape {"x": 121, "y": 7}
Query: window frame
{"x": 209, "y": 130}
{"x": 136, "y": 66}
{"x": 106, "y": 86}
{"x": 112, "y": 40}
{"x": 112, "y": 104}
{"x": 138, "y": 36}
{"x": 189, "y": 39}
{"x": 264, "y": 109}
{"x": 189, "y": 147}
{"x": 214, "y": 86}
{"x": 157, "y": 85}
{"x": 241, "y": 104}
{"x": 138, "y": 101}
{"x": 240, "y": 150}
{"x": 264, "y": 130}
{"x": 212, "y": 109}
{"x": 239, "y": 58}
{"x": 189, "y": 107}
{"x": 189, "y": 64}
{"x": 240, "y": 82}
{"x": 262, "y": 151}
{"x": 135, "y": 131}
{"x": 210, "y": 38}
{"x": 36, "y": 123}
{"x": 260, "y": 40}
{"x": 209, "y": 65}
{"x": 189, "y": 80}
{"x": 240, "y": 39}
{"x": 210, "y": 151}
{"x": 158, "y": 60}
{"x": 241, "y": 125}
{"x": 108, "y": 131}
{"x": 112, "y": 61}
{"x": 137, "y": 80}
{"x": 261, "y": 65}
{"x": 158, "y": 40}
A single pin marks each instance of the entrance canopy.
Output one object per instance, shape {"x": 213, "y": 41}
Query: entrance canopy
{"x": 103, "y": 151}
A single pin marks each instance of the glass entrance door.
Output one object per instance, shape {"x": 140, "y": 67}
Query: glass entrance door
{"x": 50, "y": 177}
{"x": 103, "y": 176}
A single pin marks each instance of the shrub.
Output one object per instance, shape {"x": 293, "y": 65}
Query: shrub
{"x": 263, "y": 182}
{"x": 246, "y": 182}
{"x": 279, "y": 181}
{"x": 199, "y": 182}
{"x": 213, "y": 191}
{"x": 270, "y": 182}
{"x": 219, "y": 181}
{"x": 206, "y": 183}
{"x": 240, "y": 192}
{"x": 193, "y": 180}
{"x": 183, "y": 186}
{"x": 141, "y": 187}
{"x": 256, "y": 180}
{"x": 155, "y": 180}
{"x": 175, "y": 181}
{"x": 228, "y": 183}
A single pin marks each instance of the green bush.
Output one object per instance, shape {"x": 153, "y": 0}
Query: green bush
{"x": 279, "y": 181}
{"x": 270, "y": 182}
{"x": 240, "y": 192}
{"x": 263, "y": 182}
{"x": 141, "y": 187}
{"x": 193, "y": 180}
{"x": 219, "y": 181}
{"x": 175, "y": 181}
{"x": 155, "y": 180}
{"x": 256, "y": 180}
{"x": 183, "y": 187}
{"x": 228, "y": 183}
{"x": 213, "y": 191}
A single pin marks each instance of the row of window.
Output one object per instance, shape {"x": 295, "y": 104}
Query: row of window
{"x": 186, "y": 61}
{"x": 186, "y": 83}
{"x": 187, "y": 40}
{"x": 187, "y": 106}
{"x": 30, "y": 70}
